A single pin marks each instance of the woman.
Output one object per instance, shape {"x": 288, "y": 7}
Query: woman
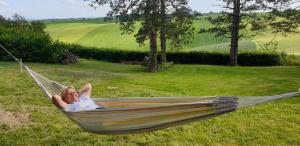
{"x": 71, "y": 100}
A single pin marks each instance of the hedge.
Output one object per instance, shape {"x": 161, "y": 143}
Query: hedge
{"x": 254, "y": 58}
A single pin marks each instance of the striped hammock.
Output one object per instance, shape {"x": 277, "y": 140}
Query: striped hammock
{"x": 132, "y": 115}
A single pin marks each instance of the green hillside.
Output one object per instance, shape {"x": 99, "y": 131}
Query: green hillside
{"x": 289, "y": 44}
{"x": 107, "y": 35}
{"x": 101, "y": 34}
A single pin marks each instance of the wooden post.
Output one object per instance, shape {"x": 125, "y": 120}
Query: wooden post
{"x": 21, "y": 66}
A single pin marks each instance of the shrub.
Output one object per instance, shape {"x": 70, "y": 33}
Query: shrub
{"x": 254, "y": 58}
{"x": 29, "y": 41}
{"x": 257, "y": 58}
{"x": 290, "y": 60}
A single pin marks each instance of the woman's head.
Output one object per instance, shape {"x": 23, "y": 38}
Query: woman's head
{"x": 70, "y": 95}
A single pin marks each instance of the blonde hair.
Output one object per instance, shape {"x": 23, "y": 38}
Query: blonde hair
{"x": 64, "y": 91}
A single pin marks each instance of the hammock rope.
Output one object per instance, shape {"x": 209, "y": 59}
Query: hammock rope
{"x": 140, "y": 114}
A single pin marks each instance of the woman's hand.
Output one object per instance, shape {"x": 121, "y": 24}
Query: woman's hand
{"x": 58, "y": 102}
{"x": 86, "y": 89}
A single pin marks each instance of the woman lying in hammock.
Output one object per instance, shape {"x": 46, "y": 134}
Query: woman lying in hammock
{"x": 71, "y": 100}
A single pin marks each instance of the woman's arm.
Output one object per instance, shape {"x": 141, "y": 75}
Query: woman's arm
{"x": 86, "y": 89}
{"x": 58, "y": 102}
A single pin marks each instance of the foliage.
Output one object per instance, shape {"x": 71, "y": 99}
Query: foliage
{"x": 180, "y": 30}
{"x": 127, "y": 13}
{"x": 248, "y": 58}
{"x": 287, "y": 21}
{"x": 153, "y": 16}
{"x": 291, "y": 60}
{"x": 269, "y": 46}
{"x": 241, "y": 15}
{"x": 29, "y": 41}
{"x": 165, "y": 66}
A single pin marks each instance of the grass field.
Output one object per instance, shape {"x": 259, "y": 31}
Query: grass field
{"x": 38, "y": 122}
{"x": 107, "y": 35}
{"x": 101, "y": 34}
{"x": 289, "y": 44}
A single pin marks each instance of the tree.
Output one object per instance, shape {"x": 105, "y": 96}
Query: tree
{"x": 2, "y": 20}
{"x": 241, "y": 15}
{"x": 236, "y": 18}
{"x": 197, "y": 14}
{"x": 155, "y": 16}
{"x": 287, "y": 13}
{"x": 19, "y": 20}
{"x": 176, "y": 25}
{"x": 181, "y": 30}
{"x": 128, "y": 12}
{"x": 38, "y": 26}
{"x": 29, "y": 41}
{"x": 163, "y": 24}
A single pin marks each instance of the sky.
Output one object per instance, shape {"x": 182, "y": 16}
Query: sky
{"x": 49, "y": 9}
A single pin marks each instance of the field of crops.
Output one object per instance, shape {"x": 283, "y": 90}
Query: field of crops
{"x": 107, "y": 35}
{"x": 97, "y": 33}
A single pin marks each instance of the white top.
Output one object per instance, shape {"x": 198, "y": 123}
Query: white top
{"x": 84, "y": 103}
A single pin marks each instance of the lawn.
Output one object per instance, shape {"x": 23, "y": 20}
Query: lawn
{"x": 38, "y": 122}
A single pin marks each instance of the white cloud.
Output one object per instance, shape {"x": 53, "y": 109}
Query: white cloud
{"x": 3, "y": 3}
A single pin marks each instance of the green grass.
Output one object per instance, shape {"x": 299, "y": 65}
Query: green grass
{"x": 289, "y": 44}
{"x": 101, "y": 34}
{"x": 274, "y": 123}
{"x": 108, "y": 35}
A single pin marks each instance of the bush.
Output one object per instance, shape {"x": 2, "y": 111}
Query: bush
{"x": 260, "y": 58}
{"x": 29, "y": 41}
{"x": 290, "y": 60}
{"x": 254, "y": 58}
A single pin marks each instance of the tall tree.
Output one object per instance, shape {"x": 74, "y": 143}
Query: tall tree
{"x": 176, "y": 24}
{"x": 163, "y": 24}
{"x": 128, "y": 12}
{"x": 155, "y": 16}
{"x": 181, "y": 29}
{"x": 236, "y": 18}
{"x": 243, "y": 14}
{"x": 151, "y": 20}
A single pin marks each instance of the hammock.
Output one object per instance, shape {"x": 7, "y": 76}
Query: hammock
{"x": 133, "y": 115}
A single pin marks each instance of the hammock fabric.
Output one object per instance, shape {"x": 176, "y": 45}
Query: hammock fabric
{"x": 133, "y": 115}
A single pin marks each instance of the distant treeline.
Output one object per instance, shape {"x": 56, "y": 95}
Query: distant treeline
{"x": 195, "y": 13}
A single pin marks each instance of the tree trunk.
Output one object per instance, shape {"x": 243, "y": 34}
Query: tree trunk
{"x": 163, "y": 32}
{"x": 235, "y": 33}
{"x": 149, "y": 20}
{"x": 153, "y": 51}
